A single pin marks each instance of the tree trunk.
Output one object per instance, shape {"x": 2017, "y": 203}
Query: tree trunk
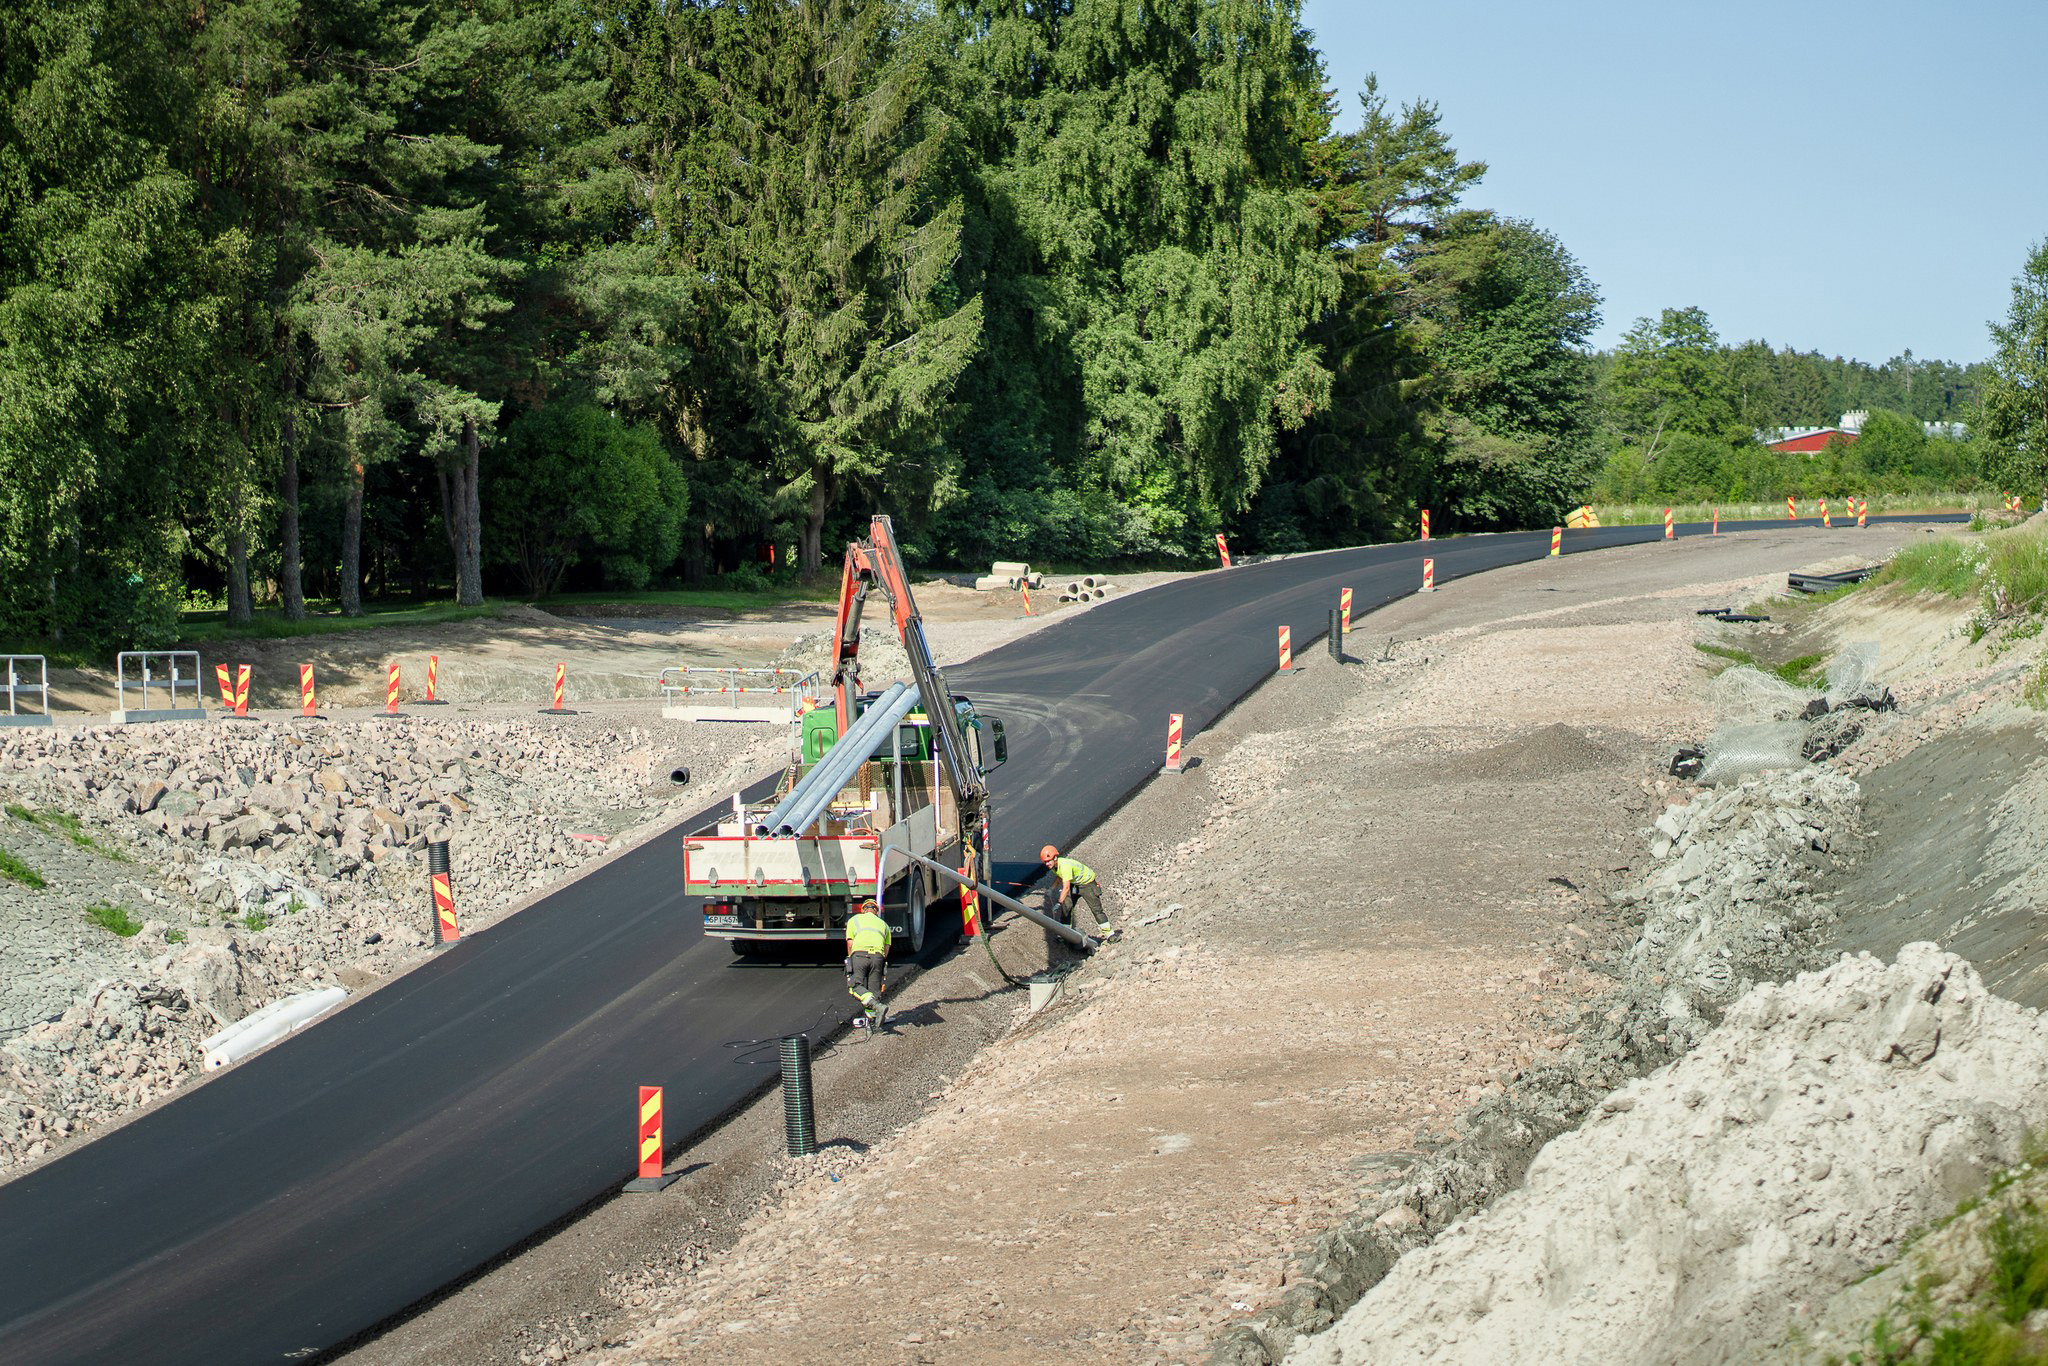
{"x": 241, "y": 610}
{"x": 811, "y": 552}
{"x": 469, "y": 567}
{"x": 352, "y": 544}
{"x": 291, "y": 584}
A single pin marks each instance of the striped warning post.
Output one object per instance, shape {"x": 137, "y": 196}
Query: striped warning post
{"x": 1425, "y": 524}
{"x": 1027, "y": 600}
{"x": 1791, "y": 510}
{"x": 227, "y": 688}
{"x": 1429, "y": 576}
{"x": 1223, "y": 550}
{"x": 1344, "y": 606}
{"x": 1173, "y": 742}
{"x": 1862, "y": 511}
{"x": 1286, "y": 651}
{"x": 445, "y": 930}
{"x": 561, "y": 692}
{"x": 433, "y": 697}
{"x": 1669, "y": 533}
{"x": 648, "y": 1175}
{"x": 1717, "y": 521}
{"x": 1556, "y": 541}
{"x": 1825, "y": 520}
{"x": 391, "y": 690}
{"x": 307, "y": 705}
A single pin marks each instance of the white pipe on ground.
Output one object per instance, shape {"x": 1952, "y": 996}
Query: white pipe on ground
{"x": 268, "y": 1025}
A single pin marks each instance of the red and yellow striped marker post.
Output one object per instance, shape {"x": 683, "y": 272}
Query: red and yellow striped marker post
{"x": 445, "y": 929}
{"x": 1669, "y": 533}
{"x": 1825, "y": 520}
{"x": 561, "y": 692}
{"x": 308, "y": 709}
{"x": 1286, "y": 652}
{"x": 1027, "y": 600}
{"x": 241, "y": 690}
{"x": 1344, "y": 606}
{"x": 648, "y": 1175}
{"x": 433, "y": 697}
{"x": 1717, "y": 522}
{"x": 391, "y": 690}
{"x": 1425, "y": 524}
{"x": 1173, "y": 744}
{"x": 1556, "y": 541}
{"x": 1429, "y": 576}
{"x": 234, "y": 696}
{"x": 1223, "y": 550}
{"x": 1791, "y": 510}
{"x": 1862, "y": 512}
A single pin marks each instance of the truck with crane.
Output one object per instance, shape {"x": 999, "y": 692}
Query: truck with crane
{"x": 881, "y": 785}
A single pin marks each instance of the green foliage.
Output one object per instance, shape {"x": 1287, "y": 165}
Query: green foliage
{"x": 14, "y": 870}
{"x": 256, "y": 920}
{"x": 115, "y": 919}
{"x": 1667, "y": 380}
{"x": 202, "y": 627}
{"x": 174, "y": 936}
{"x": 1727, "y": 652}
{"x": 66, "y": 826}
{"x": 2016, "y": 399}
{"x": 572, "y": 482}
{"x": 1947, "y": 565}
{"x": 1803, "y": 671}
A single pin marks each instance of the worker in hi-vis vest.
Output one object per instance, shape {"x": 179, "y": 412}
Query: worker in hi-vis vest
{"x": 1078, "y": 883}
{"x": 867, "y": 963}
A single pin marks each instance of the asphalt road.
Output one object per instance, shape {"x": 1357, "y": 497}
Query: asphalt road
{"x": 339, "y": 1178}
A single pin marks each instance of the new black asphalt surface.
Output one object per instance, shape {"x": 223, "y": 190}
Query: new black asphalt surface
{"x": 330, "y": 1183}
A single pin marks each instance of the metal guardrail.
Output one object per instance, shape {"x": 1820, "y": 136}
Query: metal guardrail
{"x": 172, "y": 678}
{"x": 692, "y": 683}
{"x": 15, "y": 683}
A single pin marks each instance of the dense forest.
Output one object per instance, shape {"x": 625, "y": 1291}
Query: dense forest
{"x": 320, "y": 299}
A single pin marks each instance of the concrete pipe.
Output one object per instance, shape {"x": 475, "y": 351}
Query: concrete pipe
{"x": 679, "y": 776}
{"x": 1100, "y": 592}
{"x": 1015, "y": 569}
{"x": 1073, "y": 588}
{"x": 988, "y": 583}
{"x": 1088, "y": 581}
{"x": 268, "y": 1025}
{"x": 1035, "y": 580}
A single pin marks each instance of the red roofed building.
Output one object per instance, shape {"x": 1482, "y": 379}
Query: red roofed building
{"x": 1807, "y": 440}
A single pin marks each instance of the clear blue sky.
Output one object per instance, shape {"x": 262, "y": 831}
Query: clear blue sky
{"x": 1852, "y": 178}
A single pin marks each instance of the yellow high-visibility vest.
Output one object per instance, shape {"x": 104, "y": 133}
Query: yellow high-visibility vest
{"x": 1073, "y": 871}
{"x": 868, "y": 933}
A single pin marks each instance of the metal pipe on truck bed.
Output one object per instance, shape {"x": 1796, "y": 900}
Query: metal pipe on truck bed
{"x": 834, "y": 760}
{"x": 1066, "y": 932}
{"x": 848, "y": 755}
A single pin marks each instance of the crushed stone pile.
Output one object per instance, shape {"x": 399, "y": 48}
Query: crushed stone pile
{"x": 1816, "y": 1127}
{"x": 882, "y": 657}
{"x": 263, "y": 858}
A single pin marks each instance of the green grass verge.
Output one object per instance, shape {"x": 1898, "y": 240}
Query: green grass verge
{"x": 114, "y": 919}
{"x": 1948, "y": 566}
{"x": 1729, "y": 653}
{"x": 198, "y": 628}
{"x": 68, "y": 826}
{"x": 708, "y": 599}
{"x": 1806, "y": 671}
{"x": 14, "y": 870}
{"x": 1645, "y": 514}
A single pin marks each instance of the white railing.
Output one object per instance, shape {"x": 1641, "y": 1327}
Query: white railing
{"x": 17, "y": 683}
{"x": 160, "y": 667}
{"x": 696, "y": 683}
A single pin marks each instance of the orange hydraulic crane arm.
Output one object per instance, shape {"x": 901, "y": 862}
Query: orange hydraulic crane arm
{"x": 876, "y": 561}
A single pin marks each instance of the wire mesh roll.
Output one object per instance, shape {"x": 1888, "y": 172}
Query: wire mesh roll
{"x": 799, "y": 1127}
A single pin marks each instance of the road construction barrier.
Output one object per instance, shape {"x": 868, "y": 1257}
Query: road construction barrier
{"x": 693, "y": 692}
{"x": 391, "y": 690}
{"x": 1026, "y": 590}
{"x": 1791, "y": 510}
{"x": 647, "y": 1175}
{"x": 234, "y": 695}
{"x": 1223, "y": 550}
{"x": 1670, "y": 534}
{"x": 1717, "y": 522}
{"x": 799, "y": 1122}
{"x": 561, "y": 692}
{"x": 441, "y": 887}
{"x": 17, "y": 683}
{"x": 1344, "y": 606}
{"x": 176, "y": 671}
{"x": 1825, "y": 520}
{"x": 1556, "y": 541}
{"x": 1429, "y": 576}
{"x": 1862, "y": 508}
{"x": 1425, "y": 524}
{"x": 1286, "y": 652}
{"x": 433, "y": 697}
{"x": 1173, "y": 744}
{"x": 309, "y": 709}
{"x": 1582, "y": 518}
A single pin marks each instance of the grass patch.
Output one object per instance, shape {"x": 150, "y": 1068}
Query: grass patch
{"x": 114, "y": 919}
{"x": 1647, "y": 514}
{"x": 256, "y": 920}
{"x": 1727, "y": 652}
{"x": 1806, "y": 671}
{"x": 174, "y": 936}
{"x": 14, "y": 870}
{"x": 710, "y": 599}
{"x": 66, "y": 825}
{"x": 1948, "y": 566}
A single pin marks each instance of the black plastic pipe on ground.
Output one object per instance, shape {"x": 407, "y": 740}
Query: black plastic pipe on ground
{"x": 799, "y": 1125}
{"x": 1336, "y": 635}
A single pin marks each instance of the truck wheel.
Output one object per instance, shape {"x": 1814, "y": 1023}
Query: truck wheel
{"x": 913, "y": 912}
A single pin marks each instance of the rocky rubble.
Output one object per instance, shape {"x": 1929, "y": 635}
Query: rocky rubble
{"x": 1821, "y": 1122}
{"x": 265, "y": 858}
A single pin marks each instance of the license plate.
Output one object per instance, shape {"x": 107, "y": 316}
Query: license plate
{"x": 723, "y": 921}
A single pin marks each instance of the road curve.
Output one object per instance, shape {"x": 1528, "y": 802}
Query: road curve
{"x": 328, "y": 1184}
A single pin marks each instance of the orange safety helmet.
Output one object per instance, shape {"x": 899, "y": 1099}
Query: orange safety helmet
{"x": 1048, "y": 854}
